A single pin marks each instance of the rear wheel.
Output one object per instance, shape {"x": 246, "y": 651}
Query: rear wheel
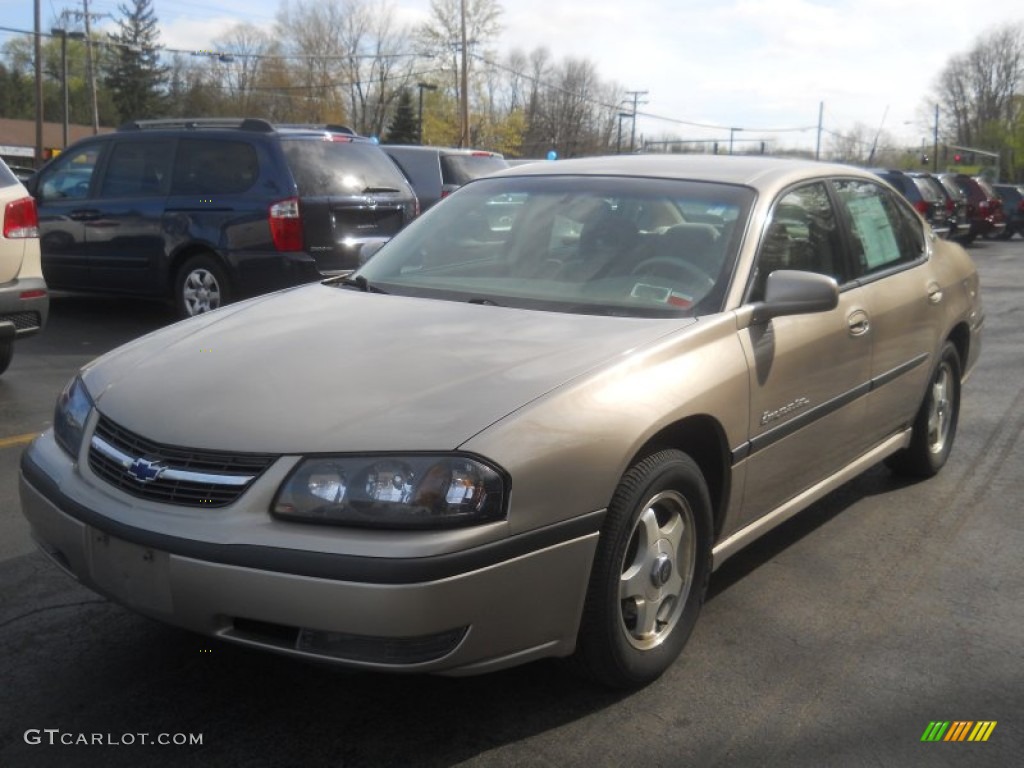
{"x": 201, "y": 285}
{"x": 936, "y": 422}
{"x": 6, "y": 354}
{"x": 650, "y": 572}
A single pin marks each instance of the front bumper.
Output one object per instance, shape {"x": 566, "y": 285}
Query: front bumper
{"x": 464, "y": 612}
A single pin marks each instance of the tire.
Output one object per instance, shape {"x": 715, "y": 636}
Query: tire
{"x": 650, "y": 573}
{"x": 201, "y": 285}
{"x": 935, "y": 425}
{"x": 6, "y": 354}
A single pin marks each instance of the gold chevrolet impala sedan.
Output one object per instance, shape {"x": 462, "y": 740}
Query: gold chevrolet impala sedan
{"x": 531, "y": 425}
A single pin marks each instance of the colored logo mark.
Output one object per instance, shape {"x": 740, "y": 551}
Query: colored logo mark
{"x": 958, "y": 730}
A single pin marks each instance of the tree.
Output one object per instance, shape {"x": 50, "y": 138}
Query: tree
{"x": 136, "y": 76}
{"x": 404, "y": 127}
{"x": 442, "y": 35}
{"x": 978, "y": 92}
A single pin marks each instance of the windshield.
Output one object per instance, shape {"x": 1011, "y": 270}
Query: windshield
{"x": 604, "y": 245}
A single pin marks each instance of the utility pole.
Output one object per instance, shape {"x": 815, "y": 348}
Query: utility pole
{"x": 90, "y": 66}
{"x": 935, "y": 147}
{"x": 821, "y": 114}
{"x": 636, "y": 101}
{"x": 38, "y": 54}
{"x": 464, "y": 142}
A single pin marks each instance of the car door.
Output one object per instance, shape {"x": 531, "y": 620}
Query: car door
{"x": 125, "y": 239}
{"x": 903, "y": 296}
{"x": 808, "y": 373}
{"x": 64, "y": 202}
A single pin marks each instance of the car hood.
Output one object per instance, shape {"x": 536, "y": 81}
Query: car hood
{"x": 320, "y": 369}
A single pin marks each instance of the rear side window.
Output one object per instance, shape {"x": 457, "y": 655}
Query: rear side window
{"x": 323, "y": 167}
{"x": 138, "y": 169}
{"x": 929, "y": 189}
{"x": 212, "y": 167}
{"x": 460, "y": 169}
{"x": 885, "y": 233}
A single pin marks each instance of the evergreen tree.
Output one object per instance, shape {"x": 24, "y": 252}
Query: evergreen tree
{"x": 136, "y": 76}
{"x": 404, "y": 126}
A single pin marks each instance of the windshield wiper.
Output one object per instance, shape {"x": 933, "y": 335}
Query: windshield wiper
{"x": 361, "y": 283}
{"x": 371, "y": 190}
{"x": 484, "y": 301}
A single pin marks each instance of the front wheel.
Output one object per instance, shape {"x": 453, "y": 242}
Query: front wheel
{"x": 936, "y": 422}
{"x": 201, "y": 285}
{"x": 650, "y": 572}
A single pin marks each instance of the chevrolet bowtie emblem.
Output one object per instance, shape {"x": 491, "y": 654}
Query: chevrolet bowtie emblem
{"x": 145, "y": 471}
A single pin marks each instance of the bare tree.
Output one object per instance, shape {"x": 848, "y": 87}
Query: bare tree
{"x": 978, "y": 91}
{"x": 245, "y": 49}
{"x": 441, "y": 36}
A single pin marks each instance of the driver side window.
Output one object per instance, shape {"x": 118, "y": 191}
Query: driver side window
{"x": 69, "y": 178}
{"x": 801, "y": 234}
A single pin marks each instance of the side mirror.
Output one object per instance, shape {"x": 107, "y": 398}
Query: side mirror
{"x": 789, "y": 292}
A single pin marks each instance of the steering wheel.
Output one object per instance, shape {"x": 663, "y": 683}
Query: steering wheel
{"x": 665, "y": 266}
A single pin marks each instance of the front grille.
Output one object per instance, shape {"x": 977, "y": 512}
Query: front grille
{"x": 178, "y": 482}
{"x": 23, "y": 321}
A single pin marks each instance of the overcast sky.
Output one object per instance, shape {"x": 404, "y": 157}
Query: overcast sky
{"x": 749, "y": 64}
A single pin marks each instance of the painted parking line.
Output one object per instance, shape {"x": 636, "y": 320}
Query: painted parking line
{"x": 7, "y": 442}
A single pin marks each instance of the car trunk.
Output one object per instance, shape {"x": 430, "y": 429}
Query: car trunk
{"x": 350, "y": 196}
{"x": 336, "y": 229}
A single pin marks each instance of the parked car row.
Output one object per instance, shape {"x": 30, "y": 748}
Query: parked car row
{"x": 958, "y": 207}
{"x": 207, "y": 211}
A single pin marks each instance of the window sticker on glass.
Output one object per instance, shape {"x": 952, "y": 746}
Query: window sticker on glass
{"x": 875, "y": 231}
{"x": 661, "y": 295}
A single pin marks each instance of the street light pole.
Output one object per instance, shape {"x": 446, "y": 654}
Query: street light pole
{"x": 732, "y": 132}
{"x": 618, "y": 138}
{"x": 419, "y": 124}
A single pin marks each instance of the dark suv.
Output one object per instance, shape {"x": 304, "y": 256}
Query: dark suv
{"x": 436, "y": 172}
{"x": 208, "y": 211}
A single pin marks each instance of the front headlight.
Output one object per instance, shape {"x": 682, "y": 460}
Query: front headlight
{"x": 392, "y": 492}
{"x": 69, "y": 416}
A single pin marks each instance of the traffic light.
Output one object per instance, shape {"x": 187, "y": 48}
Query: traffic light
{"x": 957, "y": 158}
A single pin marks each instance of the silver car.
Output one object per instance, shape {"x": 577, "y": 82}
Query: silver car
{"x": 531, "y": 425}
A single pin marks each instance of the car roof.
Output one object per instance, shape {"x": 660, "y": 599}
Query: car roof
{"x": 748, "y": 170}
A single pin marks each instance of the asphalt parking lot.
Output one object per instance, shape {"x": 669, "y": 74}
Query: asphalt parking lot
{"x": 833, "y": 641}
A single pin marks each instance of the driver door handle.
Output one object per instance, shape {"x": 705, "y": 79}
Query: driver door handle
{"x": 858, "y": 323}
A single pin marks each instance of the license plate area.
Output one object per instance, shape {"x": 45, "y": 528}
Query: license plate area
{"x": 134, "y": 575}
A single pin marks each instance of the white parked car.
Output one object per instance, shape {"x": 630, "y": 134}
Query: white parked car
{"x": 24, "y": 301}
